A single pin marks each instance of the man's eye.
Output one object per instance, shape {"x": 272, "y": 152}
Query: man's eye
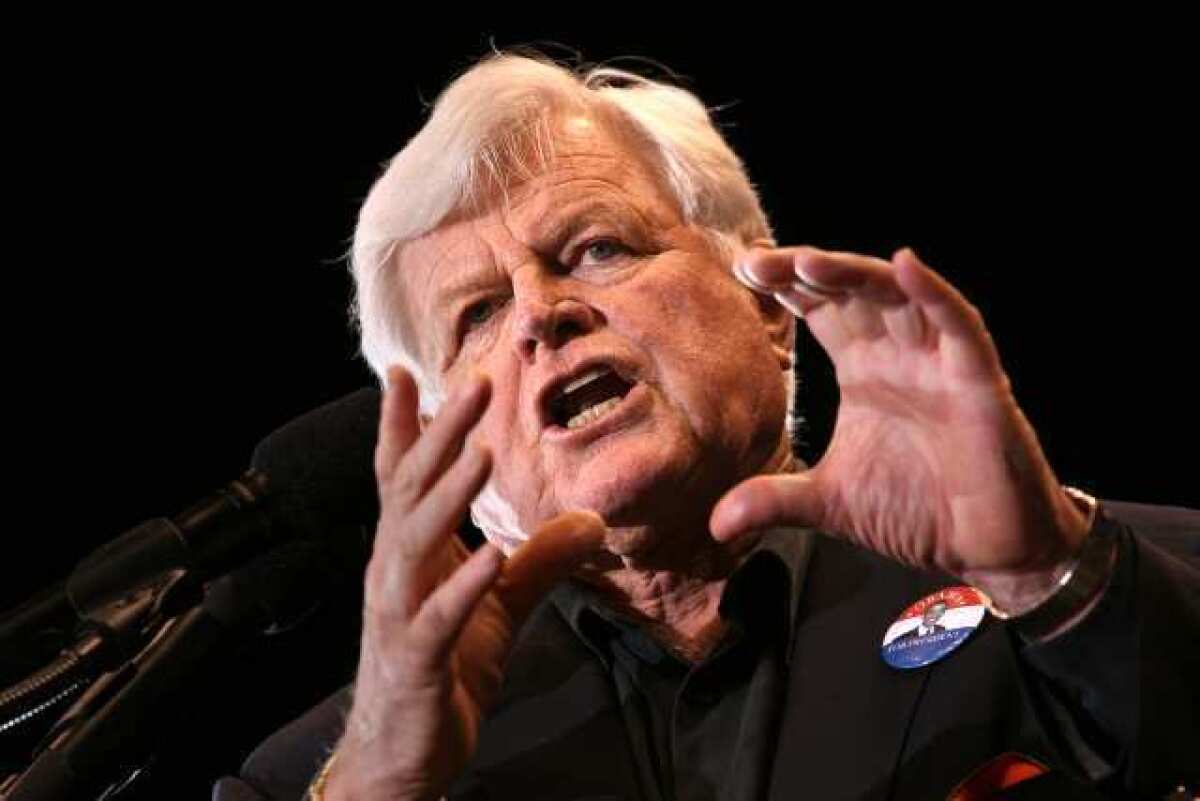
{"x": 478, "y": 313}
{"x": 603, "y": 250}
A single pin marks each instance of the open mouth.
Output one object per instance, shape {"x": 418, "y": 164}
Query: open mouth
{"x": 588, "y": 398}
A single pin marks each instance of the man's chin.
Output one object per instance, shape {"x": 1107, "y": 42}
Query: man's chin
{"x": 632, "y": 481}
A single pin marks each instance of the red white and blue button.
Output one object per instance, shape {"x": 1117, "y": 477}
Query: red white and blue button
{"x": 933, "y": 627}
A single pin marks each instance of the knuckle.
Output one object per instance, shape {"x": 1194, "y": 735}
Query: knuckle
{"x": 381, "y": 588}
{"x": 402, "y": 544}
{"x": 418, "y": 656}
{"x": 415, "y": 660}
{"x": 387, "y": 583}
{"x": 394, "y": 657}
{"x": 435, "y": 619}
{"x": 402, "y": 486}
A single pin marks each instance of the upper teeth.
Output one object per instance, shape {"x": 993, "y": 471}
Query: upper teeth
{"x": 590, "y": 375}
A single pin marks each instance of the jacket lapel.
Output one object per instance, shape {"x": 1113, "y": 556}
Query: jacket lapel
{"x": 846, "y": 713}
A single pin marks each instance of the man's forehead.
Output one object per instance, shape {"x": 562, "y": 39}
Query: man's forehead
{"x": 592, "y": 174}
{"x": 584, "y": 157}
{"x": 496, "y": 240}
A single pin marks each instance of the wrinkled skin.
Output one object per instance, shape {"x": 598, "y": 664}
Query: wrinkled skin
{"x": 590, "y": 260}
{"x": 437, "y": 622}
{"x": 632, "y": 284}
{"x": 931, "y": 462}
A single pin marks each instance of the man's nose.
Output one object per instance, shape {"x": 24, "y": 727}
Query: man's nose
{"x": 548, "y": 321}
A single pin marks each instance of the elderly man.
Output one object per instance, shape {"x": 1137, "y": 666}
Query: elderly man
{"x": 585, "y": 331}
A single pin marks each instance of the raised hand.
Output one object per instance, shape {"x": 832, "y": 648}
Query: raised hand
{"x": 438, "y": 621}
{"x": 931, "y": 463}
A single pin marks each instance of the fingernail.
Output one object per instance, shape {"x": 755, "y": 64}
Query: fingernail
{"x": 789, "y": 301}
{"x": 805, "y": 282}
{"x": 742, "y": 271}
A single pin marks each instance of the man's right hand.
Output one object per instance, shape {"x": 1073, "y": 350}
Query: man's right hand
{"x": 438, "y": 622}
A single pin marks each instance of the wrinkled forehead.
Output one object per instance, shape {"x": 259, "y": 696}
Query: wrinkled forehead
{"x": 600, "y": 153}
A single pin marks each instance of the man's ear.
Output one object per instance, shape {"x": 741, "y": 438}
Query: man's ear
{"x": 780, "y": 323}
{"x": 781, "y": 328}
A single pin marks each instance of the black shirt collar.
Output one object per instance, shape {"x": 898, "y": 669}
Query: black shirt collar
{"x": 762, "y": 593}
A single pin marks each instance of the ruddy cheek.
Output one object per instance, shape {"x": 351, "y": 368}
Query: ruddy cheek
{"x": 668, "y": 295}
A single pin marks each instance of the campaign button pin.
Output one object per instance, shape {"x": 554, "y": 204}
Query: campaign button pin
{"x": 933, "y": 627}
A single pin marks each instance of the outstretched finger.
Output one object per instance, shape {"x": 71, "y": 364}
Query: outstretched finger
{"x": 841, "y": 295}
{"x": 433, "y": 521}
{"x": 791, "y": 499}
{"x": 821, "y": 274}
{"x": 443, "y": 439}
{"x": 440, "y": 621}
{"x": 965, "y": 341}
{"x": 398, "y": 426}
{"x": 556, "y": 549}
{"x": 837, "y": 272}
{"x": 769, "y": 270}
{"x": 772, "y": 271}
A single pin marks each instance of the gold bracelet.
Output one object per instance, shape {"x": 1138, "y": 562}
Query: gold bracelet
{"x": 316, "y": 790}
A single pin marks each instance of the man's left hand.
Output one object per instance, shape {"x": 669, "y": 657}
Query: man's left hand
{"x": 931, "y": 463}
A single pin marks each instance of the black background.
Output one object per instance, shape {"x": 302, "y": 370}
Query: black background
{"x": 180, "y": 201}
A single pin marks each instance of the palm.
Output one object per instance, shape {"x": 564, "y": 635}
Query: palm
{"x": 438, "y": 621}
{"x": 916, "y": 466}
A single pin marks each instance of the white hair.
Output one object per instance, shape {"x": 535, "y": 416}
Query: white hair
{"x": 494, "y": 127}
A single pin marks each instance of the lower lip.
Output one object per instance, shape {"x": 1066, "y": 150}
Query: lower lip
{"x": 620, "y": 416}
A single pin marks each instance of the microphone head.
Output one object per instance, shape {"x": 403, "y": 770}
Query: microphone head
{"x": 323, "y": 506}
{"x": 320, "y": 471}
{"x": 279, "y": 589}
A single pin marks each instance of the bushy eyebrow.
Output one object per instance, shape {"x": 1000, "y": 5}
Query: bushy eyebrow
{"x": 473, "y": 283}
{"x": 555, "y": 230}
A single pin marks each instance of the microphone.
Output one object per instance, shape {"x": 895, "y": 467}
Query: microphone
{"x": 115, "y": 727}
{"x": 309, "y": 498}
{"x": 311, "y": 479}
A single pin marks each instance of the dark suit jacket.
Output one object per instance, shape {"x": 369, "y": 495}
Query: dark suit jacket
{"x": 1112, "y": 704}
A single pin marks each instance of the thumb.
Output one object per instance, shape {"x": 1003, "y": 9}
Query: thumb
{"x": 762, "y": 501}
{"x": 556, "y": 549}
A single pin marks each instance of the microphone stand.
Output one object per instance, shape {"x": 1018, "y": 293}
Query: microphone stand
{"x": 102, "y": 739}
{"x": 109, "y": 635}
{"x": 210, "y": 537}
{"x": 108, "y": 734}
